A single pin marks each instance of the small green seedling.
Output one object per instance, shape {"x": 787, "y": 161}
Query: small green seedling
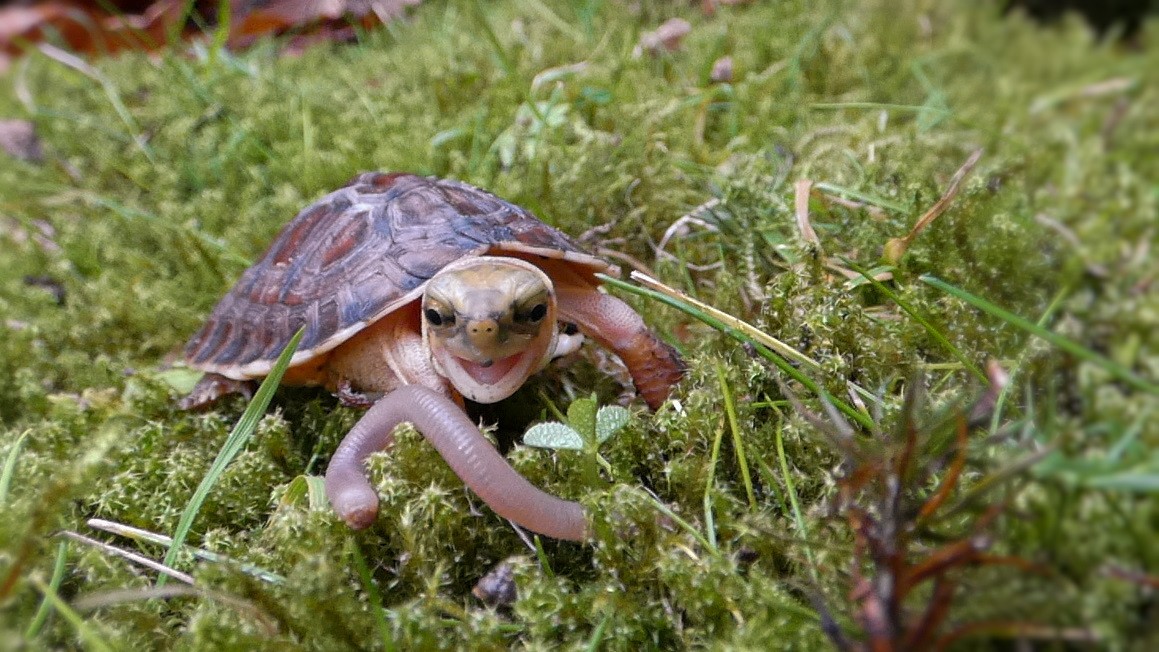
{"x": 587, "y": 427}
{"x": 585, "y": 424}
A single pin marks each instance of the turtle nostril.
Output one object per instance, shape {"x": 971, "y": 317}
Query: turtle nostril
{"x": 485, "y": 327}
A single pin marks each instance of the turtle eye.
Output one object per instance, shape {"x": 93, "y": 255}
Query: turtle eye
{"x": 537, "y": 312}
{"x": 435, "y": 318}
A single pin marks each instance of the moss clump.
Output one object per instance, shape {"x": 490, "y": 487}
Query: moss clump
{"x": 164, "y": 177}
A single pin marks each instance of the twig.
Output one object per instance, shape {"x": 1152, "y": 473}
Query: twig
{"x": 803, "y": 187}
{"x": 131, "y": 556}
{"x": 896, "y": 248}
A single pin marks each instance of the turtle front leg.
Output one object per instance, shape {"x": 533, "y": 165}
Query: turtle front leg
{"x": 655, "y": 366}
{"x": 469, "y": 454}
{"x": 211, "y": 388}
{"x": 352, "y": 398}
{"x": 568, "y": 341}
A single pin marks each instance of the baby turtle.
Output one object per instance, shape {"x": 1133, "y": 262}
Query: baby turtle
{"x": 415, "y": 292}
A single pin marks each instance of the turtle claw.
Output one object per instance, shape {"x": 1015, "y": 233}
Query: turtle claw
{"x": 211, "y": 388}
{"x": 352, "y": 398}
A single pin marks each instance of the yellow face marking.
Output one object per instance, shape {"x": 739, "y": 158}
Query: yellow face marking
{"x": 487, "y": 311}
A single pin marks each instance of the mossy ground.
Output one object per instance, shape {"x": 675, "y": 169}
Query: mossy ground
{"x": 164, "y": 176}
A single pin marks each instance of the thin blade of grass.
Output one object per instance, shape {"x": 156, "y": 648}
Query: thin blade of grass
{"x": 919, "y": 318}
{"x": 112, "y": 93}
{"x": 1015, "y": 469}
{"x": 10, "y": 466}
{"x": 234, "y": 444}
{"x": 544, "y": 561}
{"x": 54, "y": 585}
{"x": 92, "y": 640}
{"x": 558, "y": 23}
{"x": 137, "y": 534}
{"x": 675, "y": 518}
{"x": 860, "y": 417}
{"x": 374, "y": 596}
{"x": 500, "y": 53}
{"x": 1079, "y": 351}
{"x": 221, "y": 34}
{"x": 865, "y": 198}
{"x": 916, "y": 108}
{"x": 594, "y": 644}
{"x": 791, "y": 489}
{"x": 709, "y": 519}
{"x": 1130, "y": 481}
{"x": 1116, "y": 452}
{"x": 131, "y": 556}
{"x": 105, "y": 599}
{"x": 739, "y": 324}
{"x": 737, "y": 442}
{"x": 1003, "y": 396}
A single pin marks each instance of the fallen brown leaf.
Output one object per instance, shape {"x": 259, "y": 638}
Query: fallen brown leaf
{"x": 104, "y": 26}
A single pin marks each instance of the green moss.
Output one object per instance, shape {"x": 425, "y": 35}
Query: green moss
{"x": 145, "y": 217}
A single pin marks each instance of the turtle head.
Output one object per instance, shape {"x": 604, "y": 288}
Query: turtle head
{"x": 489, "y": 323}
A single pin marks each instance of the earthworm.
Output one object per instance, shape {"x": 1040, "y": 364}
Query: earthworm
{"x": 464, "y": 448}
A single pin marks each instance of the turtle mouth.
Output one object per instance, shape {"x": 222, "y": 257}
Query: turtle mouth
{"x": 485, "y": 381}
{"x": 490, "y": 372}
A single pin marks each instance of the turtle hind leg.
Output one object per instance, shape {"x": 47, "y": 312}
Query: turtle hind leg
{"x": 211, "y": 388}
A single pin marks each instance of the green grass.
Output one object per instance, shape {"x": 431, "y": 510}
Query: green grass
{"x": 165, "y": 176}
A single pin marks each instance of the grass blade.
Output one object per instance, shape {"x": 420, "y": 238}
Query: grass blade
{"x": 10, "y": 466}
{"x": 130, "y": 556}
{"x": 684, "y": 525}
{"x": 1079, "y": 351}
{"x": 790, "y": 489}
{"x": 748, "y": 329}
{"x": 737, "y": 442}
{"x": 139, "y": 535}
{"x": 234, "y": 444}
{"x": 1015, "y": 370}
{"x": 761, "y": 349}
{"x": 53, "y": 585}
{"x": 919, "y": 318}
{"x": 374, "y": 596}
{"x": 709, "y": 519}
{"x": 92, "y": 640}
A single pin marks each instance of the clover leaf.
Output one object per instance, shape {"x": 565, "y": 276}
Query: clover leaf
{"x": 585, "y": 423}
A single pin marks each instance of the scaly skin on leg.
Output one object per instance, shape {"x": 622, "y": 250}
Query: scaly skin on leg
{"x": 655, "y": 366}
{"x": 213, "y": 387}
{"x": 352, "y": 398}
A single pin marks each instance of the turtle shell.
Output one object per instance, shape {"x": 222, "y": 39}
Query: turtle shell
{"x": 358, "y": 254}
